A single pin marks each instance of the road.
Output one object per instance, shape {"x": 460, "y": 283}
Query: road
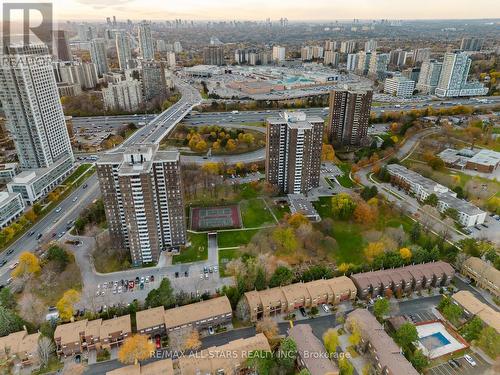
{"x": 55, "y": 222}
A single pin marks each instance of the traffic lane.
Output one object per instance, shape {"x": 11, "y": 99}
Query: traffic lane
{"x": 52, "y": 222}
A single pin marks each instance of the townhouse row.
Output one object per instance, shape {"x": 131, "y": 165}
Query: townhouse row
{"x": 226, "y": 359}
{"x": 375, "y": 341}
{"x": 483, "y": 274}
{"x": 405, "y": 279}
{"x": 474, "y": 307}
{"x": 21, "y": 348}
{"x": 287, "y": 299}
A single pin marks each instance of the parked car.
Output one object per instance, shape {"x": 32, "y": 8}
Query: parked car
{"x": 211, "y": 330}
{"x": 452, "y": 364}
{"x": 325, "y": 308}
{"x": 158, "y": 341}
{"x": 457, "y": 363}
{"x": 303, "y": 312}
{"x": 186, "y": 274}
{"x": 469, "y": 359}
{"x": 152, "y": 278}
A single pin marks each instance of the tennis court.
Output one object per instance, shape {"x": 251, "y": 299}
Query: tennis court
{"x": 206, "y": 218}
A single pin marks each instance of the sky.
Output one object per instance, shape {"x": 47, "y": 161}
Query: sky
{"x": 274, "y": 9}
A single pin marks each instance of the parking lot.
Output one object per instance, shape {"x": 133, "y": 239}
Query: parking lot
{"x": 421, "y": 316}
{"x": 464, "y": 368}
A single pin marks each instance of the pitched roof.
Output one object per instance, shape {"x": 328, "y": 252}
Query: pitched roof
{"x": 470, "y": 303}
{"x": 179, "y": 316}
{"x": 312, "y": 351}
{"x": 484, "y": 270}
{"x": 388, "y": 353}
{"x": 120, "y": 324}
{"x": 150, "y": 318}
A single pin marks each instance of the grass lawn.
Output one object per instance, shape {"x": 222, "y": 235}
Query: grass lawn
{"x": 255, "y": 213}
{"x": 344, "y": 180}
{"x": 77, "y": 173}
{"x": 350, "y": 242}
{"x": 224, "y": 257}
{"x": 197, "y": 251}
{"x": 279, "y": 210}
{"x": 235, "y": 237}
{"x": 324, "y": 207}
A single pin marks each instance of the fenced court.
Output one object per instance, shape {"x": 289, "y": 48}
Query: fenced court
{"x": 207, "y": 218}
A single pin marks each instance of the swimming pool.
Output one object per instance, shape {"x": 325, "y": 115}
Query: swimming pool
{"x": 436, "y": 340}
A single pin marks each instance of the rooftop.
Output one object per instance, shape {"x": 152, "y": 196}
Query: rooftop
{"x": 193, "y": 312}
{"x": 470, "y": 303}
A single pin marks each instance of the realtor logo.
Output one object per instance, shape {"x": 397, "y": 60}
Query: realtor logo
{"x": 27, "y": 23}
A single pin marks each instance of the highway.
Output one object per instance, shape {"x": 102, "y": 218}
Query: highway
{"x": 56, "y": 222}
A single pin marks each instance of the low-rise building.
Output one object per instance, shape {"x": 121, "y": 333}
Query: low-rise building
{"x": 11, "y": 207}
{"x": 422, "y": 188}
{"x": 225, "y": 359}
{"x": 151, "y": 322}
{"x": 474, "y": 307}
{"x": 483, "y": 274}
{"x": 402, "y": 279}
{"x": 299, "y": 204}
{"x": 202, "y": 315}
{"x": 20, "y": 347}
{"x": 311, "y": 353}
{"x": 374, "y": 340}
{"x": 485, "y": 161}
{"x": 82, "y": 336}
{"x": 399, "y": 86}
{"x": 35, "y": 184}
{"x": 162, "y": 367}
{"x": 8, "y": 171}
{"x": 287, "y": 299}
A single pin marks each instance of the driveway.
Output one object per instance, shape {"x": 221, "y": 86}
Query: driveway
{"x": 190, "y": 278}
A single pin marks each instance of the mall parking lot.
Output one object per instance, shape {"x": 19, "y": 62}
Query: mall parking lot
{"x": 465, "y": 367}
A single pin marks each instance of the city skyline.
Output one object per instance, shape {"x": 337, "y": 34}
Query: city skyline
{"x": 261, "y": 9}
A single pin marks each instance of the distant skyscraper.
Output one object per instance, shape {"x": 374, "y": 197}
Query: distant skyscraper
{"x": 429, "y": 76}
{"x": 306, "y": 53}
{"x": 213, "y": 55}
{"x": 123, "y": 50}
{"x": 98, "y": 55}
{"x": 143, "y": 199}
{"x": 420, "y": 55}
{"x": 348, "y": 46}
{"x": 32, "y": 106}
{"x": 61, "y": 50}
{"x": 161, "y": 46}
{"x": 329, "y": 45}
{"x": 153, "y": 80}
{"x": 171, "y": 62}
{"x": 471, "y": 44}
{"x": 352, "y": 62}
{"x": 332, "y": 58}
{"x": 453, "y": 78}
{"x": 349, "y": 116}
{"x": 177, "y": 47}
{"x": 123, "y": 95}
{"x": 278, "y": 53}
{"x": 146, "y": 41}
{"x": 293, "y": 152}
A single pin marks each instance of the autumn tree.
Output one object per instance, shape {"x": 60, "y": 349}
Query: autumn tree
{"x": 65, "y": 306}
{"x": 30, "y": 215}
{"x": 405, "y": 253}
{"x": 327, "y": 152}
{"x": 343, "y": 206}
{"x": 29, "y": 264}
{"x": 192, "y": 341}
{"x": 297, "y": 219}
{"x": 331, "y": 340}
{"x": 355, "y": 337}
{"x": 285, "y": 238}
{"x": 268, "y": 327}
{"x": 372, "y": 250}
{"x": 365, "y": 213}
{"x": 135, "y": 348}
{"x": 345, "y": 367}
{"x": 211, "y": 167}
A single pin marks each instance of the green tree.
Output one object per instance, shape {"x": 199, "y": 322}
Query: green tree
{"x": 261, "y": 361}
{"x": 281, "y": 276}
{"x": 345, "y": 367}
{"x": 406, "y": 335}
{"x": 287, "y": 354}
{"x": 59, "y": 255}
{"x": 381, "y": 307}
{"x": 260, "y": 279}
{"x": 452, "y": 213}
{"x": 161, "y": 296}
{"x": 419, "y": 360}
{"x": 452, "y": 312}
{"x": 415, "y": 232}
{"x": 472, "y": 329}
{"x": 304, "y": 371}
{"x": 7, "y": 299}
{"x": 331, "y": 340}
{"x": 431, "y": 200}
{"x": 9, "y": 322}
{"x": 343, "y": 206}
{"x": 489, "y": 341}
{"x": 285, "y": 238}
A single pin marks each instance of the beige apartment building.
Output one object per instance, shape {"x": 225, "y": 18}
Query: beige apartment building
{"x": 293, "y": 152}
{"x": 21, "y": 347}
{"x": 483, "y": 274}
{"x": 143, "y": 198}
{"x": 287, "y": 299}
